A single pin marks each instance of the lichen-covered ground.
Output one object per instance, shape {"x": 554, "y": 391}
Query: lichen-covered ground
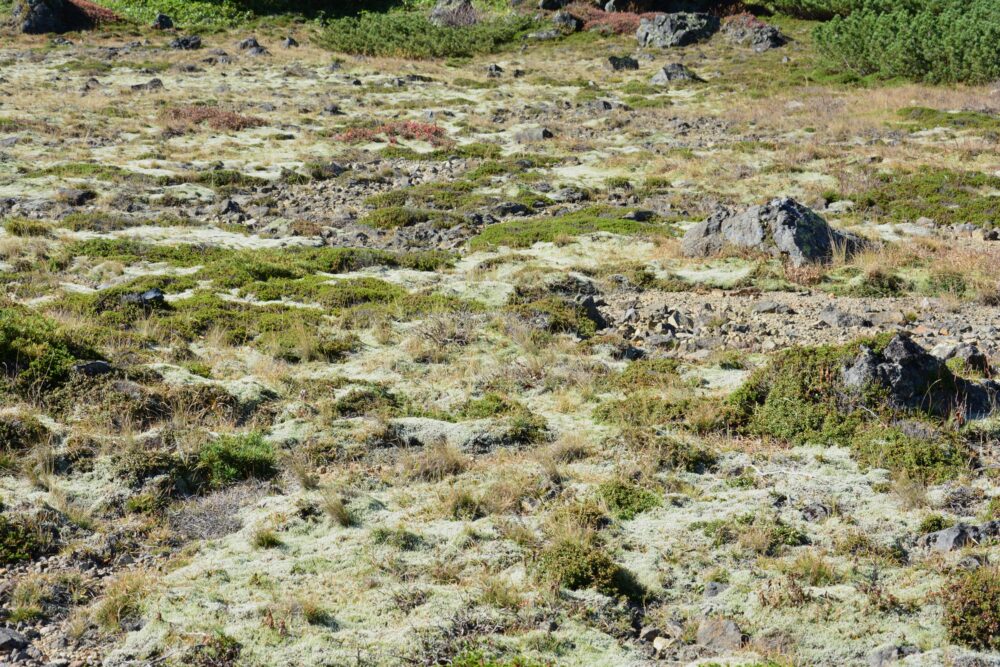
{"x": 372, "y": 419}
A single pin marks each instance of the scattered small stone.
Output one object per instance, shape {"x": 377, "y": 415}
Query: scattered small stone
{"x": 11, "y": 640}
{"x": 189, "y": 43}
{"x": 289, "y": 42}
{"x": 152, "y": 84}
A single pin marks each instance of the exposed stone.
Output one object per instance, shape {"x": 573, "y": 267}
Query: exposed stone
{"x": 916, "y": 379}
{"x": 781, "y": 228}
{"x": 678, "y": 29}
{"x": 533, "y": 134}
{"x": 567, "y": 22}
{"x": 958, "y": 536}
{"x": 622, "y": 63}
{"x": 11, "y": 640}
{"x": 162, "y": 22}
{"x": 748, "y": 30}
{"x": 673, "y": 72}
{"x": 890, "y": 654}
{"x": 36, "y": 17}
{"x": 720, "y": 634}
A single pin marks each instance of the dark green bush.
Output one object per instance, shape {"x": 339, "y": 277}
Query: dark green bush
{"x": 972, "y": 608}
{"x": 945, "y": 196}
{"x": 626, "y": 500}
{"x": 236, "y": 458}
{"x": 939, "y": 41}
{"x": 799, "y": 398}
{"x": 18, "y": 541}
{"x": 34, "y": 353}
{"x": 580, "y": 563}
{"x": 19, "y": 433}
{"x": 412, "y": 35}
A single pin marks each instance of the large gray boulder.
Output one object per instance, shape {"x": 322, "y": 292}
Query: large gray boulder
{"x": 914, "y": 379}
{"x": 678, "y": 29}
{"x": 958, "y": 536}
{"x": 782, "y": 228}
{"x": 454, "y": 13}
{"x": 37, "y": 17}
{"x": 748, "y": 30}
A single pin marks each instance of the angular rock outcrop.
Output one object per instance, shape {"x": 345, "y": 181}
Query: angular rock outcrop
{"x": 748, "y": 30}
{"x": 914, "y": 379}
{"x": 782, "y": 228}
{"x": 958, "y": 536}
{"x": 678, "y": 29}
{"x": 454, "y": 13}
{"x": 38, "y": 17}
{"x": 673, "y": 72}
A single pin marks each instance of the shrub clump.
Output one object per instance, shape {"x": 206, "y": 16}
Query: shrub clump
{"x": 972, "y": 608}
{"x": 626, "y": 500}
{"x": 34, "y": 354}
{"x": 579, "y": 563}
{"x": 413, "y": 35}
{"x": 236, "y": 458}
{"x": 944, "y": 41}
{"x": 19, "y": 542}
{"x": 800, "y": 398}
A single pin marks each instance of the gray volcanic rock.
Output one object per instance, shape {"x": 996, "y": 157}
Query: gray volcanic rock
{"x": 678, "y": 29}
{"x": 782, "y": 227}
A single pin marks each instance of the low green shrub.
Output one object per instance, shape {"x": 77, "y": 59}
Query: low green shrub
{"x": 397, "y": 538}
{"x": 526, "y": 233}
{"x": 19, "y": 433}
{"x": 626, "y": 500}
{"x": 413, "y": 35}
{"x": 235, "y": 458}
{"x": 26, "y": 227}
{"x": 945, "y": 196}
{"x": 972, "y": 608}
{"x": 939, "y": 41}
{"x": 34, "y": 354}
{"x": 579, "y": 563}
{"x": 19, "y": 541}
{"x": 799, "y": 398}
{"x": 479, "y": 659}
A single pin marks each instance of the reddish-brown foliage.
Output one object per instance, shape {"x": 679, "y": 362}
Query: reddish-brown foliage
{"x": 217, "y": 119}
{"x": 396, "y": 130}
{"x": 94, "y": 13}
{"x": 618, "y": 23}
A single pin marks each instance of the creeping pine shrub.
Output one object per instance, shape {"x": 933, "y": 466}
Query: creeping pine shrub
{"x": 799, "y": 398}
{"x": 943, "y": 41}
{"x": 816, "y": 9}
{"x": 972, "y": 608}
{"x": 413, "y": 35}
{"x": 626, "y": 500}
{"x": 33, "y": 352}
{"x": 236, "y": 458}
{"x": 580, "y": 562}
{"x": 18, "y": 541}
